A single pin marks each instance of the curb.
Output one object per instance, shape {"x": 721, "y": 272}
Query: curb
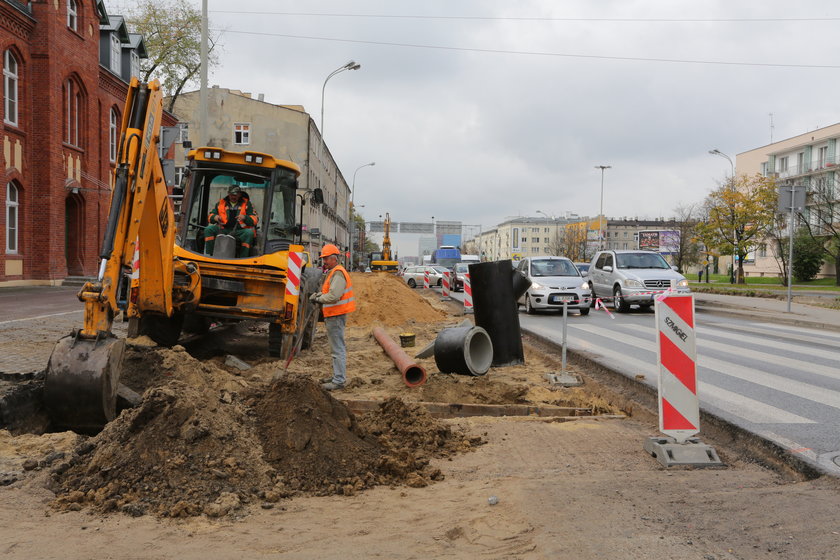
{"x": 725, "y": 310}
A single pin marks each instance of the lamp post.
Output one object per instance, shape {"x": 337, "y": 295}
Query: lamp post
{"x": 353, "y": 205}
{"x": 601, "y": 211}
{"x": 352, "y": 65}
{"x": 734, "y": 277}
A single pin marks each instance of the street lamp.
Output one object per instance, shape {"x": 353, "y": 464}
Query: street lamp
{"x": 352, "y": 65}
{"x": 734, "y": 277}
{"x": 601, "y": 211}
{"x": 550, "y": 217}
{"x": 352, "y": 203}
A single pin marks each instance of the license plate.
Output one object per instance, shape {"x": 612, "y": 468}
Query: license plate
{"x": 564, "y": 297}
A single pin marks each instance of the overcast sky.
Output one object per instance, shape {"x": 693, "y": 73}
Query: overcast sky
{"x": 503, "y": 108}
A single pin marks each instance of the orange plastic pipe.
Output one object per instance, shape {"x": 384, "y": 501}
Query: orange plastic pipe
{"x": 413, "y": 375}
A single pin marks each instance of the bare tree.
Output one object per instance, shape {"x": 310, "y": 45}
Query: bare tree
{"x": 822, "y": 218}
{"x": 686, "y": 247}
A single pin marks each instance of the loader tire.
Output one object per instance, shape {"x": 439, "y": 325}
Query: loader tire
{"x": 275, "y": 340}
{"x": 164, "y": 330}
{"x": 196, "y": 324}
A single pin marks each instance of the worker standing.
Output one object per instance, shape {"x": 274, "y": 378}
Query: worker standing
{"x": 337, "y": 300}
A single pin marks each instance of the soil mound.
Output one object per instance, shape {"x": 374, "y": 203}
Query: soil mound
{"x": 386, "y": 299}
{"x": 189, "y": 450}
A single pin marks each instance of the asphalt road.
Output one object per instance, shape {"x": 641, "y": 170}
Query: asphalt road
{"x": 42, "y": 301}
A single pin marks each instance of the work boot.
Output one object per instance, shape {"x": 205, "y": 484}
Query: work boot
{"x": 332, "y": 386}
{"x": 325, "y": 380}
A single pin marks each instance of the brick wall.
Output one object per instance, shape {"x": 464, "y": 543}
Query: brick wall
{"x": 65, "y": 189}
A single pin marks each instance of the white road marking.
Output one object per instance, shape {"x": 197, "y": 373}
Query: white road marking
{"x": 827, "y": 354}
{"x": 41, "y": 317}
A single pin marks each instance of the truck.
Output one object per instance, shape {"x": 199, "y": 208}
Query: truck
{"x": 154, "y": 270}
{"x": 383, "y": 261}
{"x": 446, "y": 256}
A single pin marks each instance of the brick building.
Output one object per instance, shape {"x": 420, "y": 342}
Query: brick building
{"x": 66, "y": 65}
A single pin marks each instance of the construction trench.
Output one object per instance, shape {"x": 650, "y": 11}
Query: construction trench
{"x": 220, "y": 427}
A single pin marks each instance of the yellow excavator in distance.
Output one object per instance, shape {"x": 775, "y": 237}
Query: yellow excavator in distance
{"x": 159, "y": 275}
{"x": 382, "y": 261}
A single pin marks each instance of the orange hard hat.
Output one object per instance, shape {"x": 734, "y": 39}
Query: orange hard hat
{"x": 329, "y": 249}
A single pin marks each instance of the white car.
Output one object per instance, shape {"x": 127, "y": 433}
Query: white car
{"x": 554, "y": 281}
{"x": 413, "y": 275}
{"x": 628, "y": 278}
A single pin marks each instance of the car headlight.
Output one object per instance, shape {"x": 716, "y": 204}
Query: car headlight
{"x": 536, "y": 286}
{"x": 584, "y": 286}
{"x": 630, "y": 283}
{"x": 682, "y": 283}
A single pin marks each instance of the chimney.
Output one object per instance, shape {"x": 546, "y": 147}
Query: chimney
{"x": 261, "y": 97}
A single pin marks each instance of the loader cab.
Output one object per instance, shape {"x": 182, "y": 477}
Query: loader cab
{"x": 269, "y": 184}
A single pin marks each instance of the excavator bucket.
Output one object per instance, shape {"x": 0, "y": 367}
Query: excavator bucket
{"x": 80, "y": 389}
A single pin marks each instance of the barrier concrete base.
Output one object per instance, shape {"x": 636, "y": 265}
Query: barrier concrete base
{"x": 693, "y": 453}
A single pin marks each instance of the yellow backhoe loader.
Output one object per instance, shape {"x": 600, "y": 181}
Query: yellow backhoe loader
{"x": 159, "y": 275}
{"x": 383, "y": 262}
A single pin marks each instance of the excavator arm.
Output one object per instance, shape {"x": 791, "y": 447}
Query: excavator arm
{"x": 83, "y": 371}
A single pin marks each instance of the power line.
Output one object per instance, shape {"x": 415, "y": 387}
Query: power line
{"x": 536, "y": 53}
{"x": 526, "y": 18}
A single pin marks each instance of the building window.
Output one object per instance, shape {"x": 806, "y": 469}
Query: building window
{"x": 800, "y": 162}
{"x": 116, "y": 50}
{"x": 10, "y": 87}
{"x": 135, "y": 63}
{"x": 179, "y": 176}
{"x": 72, "y": 15}
{"x": 72, "y": 113}
{"x": 783, "y": 164}
{"x": 12, "y": 215}
{"x": 241, "y": 133}
{"x": 183, "y": 132}
{"x": 822, "y": 157}
{"x": 113, "y": 127}
{"x": 535, "y": 240}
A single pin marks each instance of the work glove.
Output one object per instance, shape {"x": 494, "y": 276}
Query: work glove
{"x": 314, "y": 297}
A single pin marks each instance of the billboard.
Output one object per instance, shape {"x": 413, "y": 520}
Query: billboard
{"x": 662, "y": 241}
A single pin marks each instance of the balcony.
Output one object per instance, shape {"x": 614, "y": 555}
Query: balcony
{"x": 809, "y": 168}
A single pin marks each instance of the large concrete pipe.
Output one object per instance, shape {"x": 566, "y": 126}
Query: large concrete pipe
{"x": 413, "y": 375}
{"x": 464, "y": 350}
{"x": 494, "y": 301}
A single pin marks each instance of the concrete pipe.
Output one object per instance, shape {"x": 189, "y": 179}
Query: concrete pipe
{"x": 463, "y": 350}
{"x": 413, "y": 375}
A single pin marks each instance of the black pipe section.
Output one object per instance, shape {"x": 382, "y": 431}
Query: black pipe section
{"x": 496, "y": 310}
{"x": 463, "y": 350}
{"x": 120, "y": 188}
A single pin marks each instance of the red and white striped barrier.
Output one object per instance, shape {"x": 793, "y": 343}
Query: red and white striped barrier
{"x": 426, "y": 279}
{"x": 679, "y": 407}
{"x": 468, "y": 302}
{"x": 293, "y": 277}
{"x": 135, "y": 261}
{"x": 445, "y": 284}
{"x": 600, "y": 305}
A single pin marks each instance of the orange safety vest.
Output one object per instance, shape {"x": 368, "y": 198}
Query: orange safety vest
{"x": 222, "y": 207}
{"x": 347, "y": 303}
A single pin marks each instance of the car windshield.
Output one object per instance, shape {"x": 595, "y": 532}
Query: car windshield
{"x": 553, "y": 267}
{"x": 439, "y": 269}
{"x": 462, "y": 268}
{"x": 641, "y": 260}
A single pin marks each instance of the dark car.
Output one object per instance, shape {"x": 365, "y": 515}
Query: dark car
{"x": 458, "y": 272}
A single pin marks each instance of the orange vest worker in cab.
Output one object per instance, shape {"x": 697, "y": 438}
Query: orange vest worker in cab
{"x": 337, "y": 300}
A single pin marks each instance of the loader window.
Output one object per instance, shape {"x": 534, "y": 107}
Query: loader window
{"x": 281, "y": 218}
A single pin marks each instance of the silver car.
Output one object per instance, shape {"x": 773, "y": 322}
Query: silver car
{"x": 554, "y": 280}
{"x": 633, "y": 278}
{"x": 413, "y": 275}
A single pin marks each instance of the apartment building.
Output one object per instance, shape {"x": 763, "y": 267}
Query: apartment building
{"x": 810, "y": 159}
{"x": 238, "y": 122}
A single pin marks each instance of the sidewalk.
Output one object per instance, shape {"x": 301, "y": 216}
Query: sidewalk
{"x": 770, "y": 310}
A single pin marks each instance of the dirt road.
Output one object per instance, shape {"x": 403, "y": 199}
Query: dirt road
{"x": 574, "y": 488}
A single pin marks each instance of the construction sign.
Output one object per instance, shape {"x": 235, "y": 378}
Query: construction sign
{"x": 679, "y": 407}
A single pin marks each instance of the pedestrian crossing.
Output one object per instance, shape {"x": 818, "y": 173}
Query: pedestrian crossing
{"x": 780, "y": 382}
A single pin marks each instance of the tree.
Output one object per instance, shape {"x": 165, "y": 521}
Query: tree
{"x": 738, "y": 214}
{"x": 687, "y": 248}
{"x": 822, "y": 219}
{"x": 570, "y": 241}
{"x": 172, "y": 32}
{"x": 777, "y": 234}
{"x": 808, "y": 256}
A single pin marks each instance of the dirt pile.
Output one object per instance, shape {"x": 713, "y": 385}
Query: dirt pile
{"x": 385, "y": 299}
{"x": 190, "y": 450}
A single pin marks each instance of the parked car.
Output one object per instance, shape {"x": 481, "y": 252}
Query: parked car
{"x": 413, "y": 275}
{"x": 583, "y": 268}
{"x": 554, "y": 280}
{"x": 632, "y": 278}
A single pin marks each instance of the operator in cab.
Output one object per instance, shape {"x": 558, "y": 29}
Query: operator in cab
{"x": 233, "y": 215}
